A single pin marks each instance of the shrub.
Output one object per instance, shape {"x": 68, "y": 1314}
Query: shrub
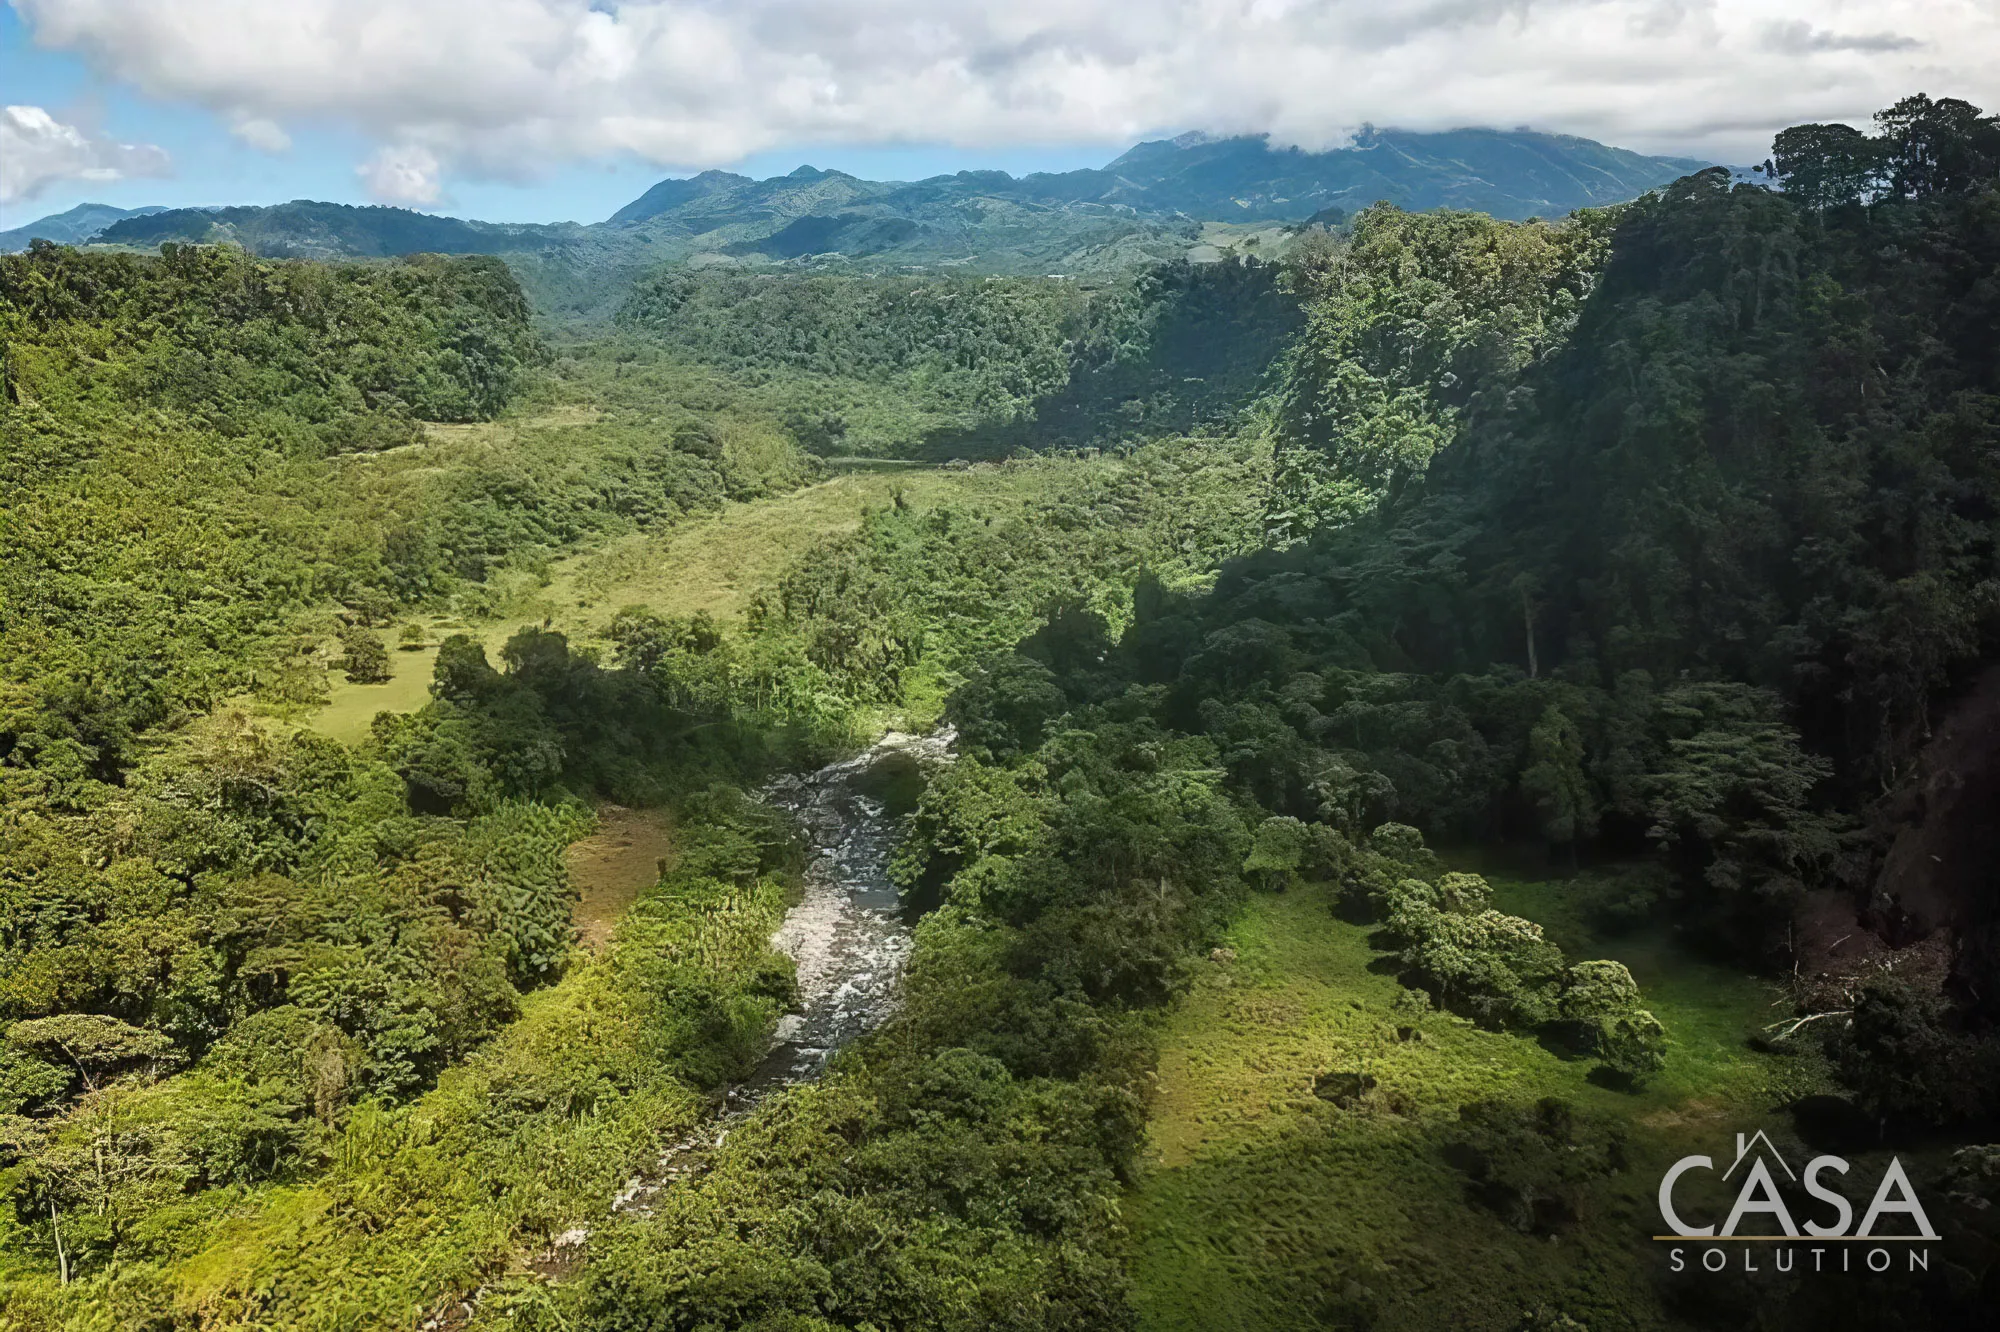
{"x": 1633, "y": 1045}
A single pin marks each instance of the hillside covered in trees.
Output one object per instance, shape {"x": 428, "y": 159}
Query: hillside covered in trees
{"x": 1445, "y": 725}
{"x": 971, "y": 367}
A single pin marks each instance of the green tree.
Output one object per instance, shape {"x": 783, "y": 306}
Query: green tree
{"x": 1937, "y": 147}
{"x": 1600, "y": 1004}
{"x": 92, "y": 1043}
{"x": 461, "y": 673}
{"x": 366, "y": 661}
{"x": 1633, "y": 1045}
{"x": 1006, "y": 708}
{"x": 1498, "y": 967}
{"x": 1902, "y": 1057}
{"x": 1595, "y": 992}
{"x": 1278, "y": 852}
{"x": 1827, "y": 166}
{"x": 1555, "y": 781}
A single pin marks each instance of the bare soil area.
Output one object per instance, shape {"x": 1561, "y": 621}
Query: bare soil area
{"x": 615, "y": 864}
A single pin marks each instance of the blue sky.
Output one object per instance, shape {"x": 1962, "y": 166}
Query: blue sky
{"x": 551, "y": 110}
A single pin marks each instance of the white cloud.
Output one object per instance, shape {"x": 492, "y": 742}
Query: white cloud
{"x": 266, "y": 136}
{"x": 37, "y": 151}
{"x": 403, "y": 174}
{"x": 506, "y": 88}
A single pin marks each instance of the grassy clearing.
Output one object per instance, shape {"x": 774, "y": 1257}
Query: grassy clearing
{"x": 1265, "y": 1207}
{"x": 714, "y": 562}
{"x": 1257, "y": 240}
{"x": 718, "y": 562}
{"x": 350, "y": 707}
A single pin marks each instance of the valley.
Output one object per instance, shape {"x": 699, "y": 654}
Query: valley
{"x": 1271, "y": 793}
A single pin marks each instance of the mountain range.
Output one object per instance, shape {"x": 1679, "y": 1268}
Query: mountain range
{"x": 1153, "y": 202}
{"x": 1512, "y": 175}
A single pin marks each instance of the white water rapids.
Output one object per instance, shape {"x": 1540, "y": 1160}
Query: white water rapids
{"x": 848, "y": 936}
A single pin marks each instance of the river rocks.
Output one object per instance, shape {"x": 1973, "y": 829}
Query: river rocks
{"x": 847, "y": 937}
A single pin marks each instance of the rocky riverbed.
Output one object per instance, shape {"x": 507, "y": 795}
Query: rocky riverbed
{"x": 849, "y": 934}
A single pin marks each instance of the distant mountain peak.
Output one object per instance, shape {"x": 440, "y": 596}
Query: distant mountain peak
{"x": 675, "y": 191}
{"x": 73, "y": 226}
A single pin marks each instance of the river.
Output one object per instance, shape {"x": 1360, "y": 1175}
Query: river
{"x": 848, "y": 935}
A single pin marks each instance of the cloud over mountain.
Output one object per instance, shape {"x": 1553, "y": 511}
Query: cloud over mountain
{"x": 505, "y": 88}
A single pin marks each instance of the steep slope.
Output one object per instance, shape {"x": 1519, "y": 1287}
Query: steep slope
{"x": 1709, "y": 576}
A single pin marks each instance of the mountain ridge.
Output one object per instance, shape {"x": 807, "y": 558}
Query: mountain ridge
{"x": 67, "y": 228}
{"x": 1151, "y": 203}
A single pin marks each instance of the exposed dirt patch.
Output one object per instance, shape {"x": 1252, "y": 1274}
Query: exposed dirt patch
{"x": 1699, "y": 1113}
{"x": 1950, "y": 817}
{"x": 615, "y": 864}
{"x": 1837, "y": 953}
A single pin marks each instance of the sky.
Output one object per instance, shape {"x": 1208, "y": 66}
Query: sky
{"x": 553, "y": 110}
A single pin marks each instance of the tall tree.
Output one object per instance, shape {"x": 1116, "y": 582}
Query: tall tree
{"x": 1826, "y": 166}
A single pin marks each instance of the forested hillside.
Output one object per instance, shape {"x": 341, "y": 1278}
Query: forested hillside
{"x": 848, "y": 356}
{"x": 1513, "y": 174}
{"x": 209, "y": 455}
{"x": 1445, "y": 726}
{"x": 981, "y": 367}
{"x": 304, "y": 229}
{"x": 69, "y": 227}
{"x": 169, "y": 428}
{"x": 1756, "y": 462}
